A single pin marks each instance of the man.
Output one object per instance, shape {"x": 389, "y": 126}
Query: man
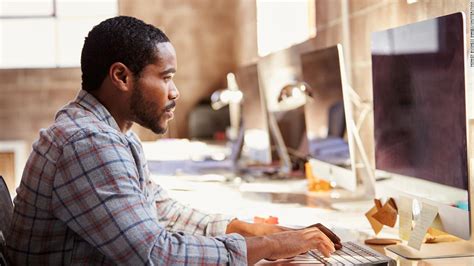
{"x": 86, "y": 195}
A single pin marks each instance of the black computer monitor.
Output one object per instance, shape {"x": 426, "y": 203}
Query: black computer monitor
{"x": 419, "y": 101}
{"x": 292, "y": 126}
{"x": 325, "y": 119}
{"x": 419, "y": 98}
{"x": 334, "y": 155}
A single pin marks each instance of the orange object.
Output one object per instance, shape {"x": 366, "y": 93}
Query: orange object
{"x": 314, "y": 183}
{"x": 262, "y": 220}
{"x": 219, "y": 135}
{"x": 374, "y": 223}
{"x": 271, "y": 220}
{"x": 380, "y": 215}
{"x": 387, "y": 215}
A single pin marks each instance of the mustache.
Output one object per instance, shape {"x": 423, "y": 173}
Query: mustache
{"x": 170, "y": 106}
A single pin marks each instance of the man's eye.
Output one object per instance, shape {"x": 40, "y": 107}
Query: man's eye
{"x": 168, "y": 78}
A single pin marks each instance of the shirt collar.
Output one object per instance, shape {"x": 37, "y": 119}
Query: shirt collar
{"x": 90, "y": 103}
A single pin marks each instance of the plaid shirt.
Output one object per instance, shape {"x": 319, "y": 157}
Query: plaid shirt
{"x": 86, "y": 198}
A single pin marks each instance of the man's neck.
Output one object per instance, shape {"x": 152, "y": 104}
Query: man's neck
{"x": 114, "y": 105}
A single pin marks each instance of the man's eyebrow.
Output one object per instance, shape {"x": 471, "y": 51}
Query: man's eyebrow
{"x": 168, "y": 71}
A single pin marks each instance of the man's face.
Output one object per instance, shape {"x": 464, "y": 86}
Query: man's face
{"x": 154, "y": 93}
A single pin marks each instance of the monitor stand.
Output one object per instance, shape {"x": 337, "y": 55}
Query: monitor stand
{"x": 435, "y": 251}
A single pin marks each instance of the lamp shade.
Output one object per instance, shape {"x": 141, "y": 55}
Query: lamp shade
{"x": 295, "y": 90}
{"x": 223, "y": 97}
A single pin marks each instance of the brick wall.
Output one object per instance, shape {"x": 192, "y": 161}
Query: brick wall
{"x": 206, "y": 34}
{"x": 29, "y": 98}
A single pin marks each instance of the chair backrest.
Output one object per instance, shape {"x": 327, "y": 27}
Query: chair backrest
{"x": 6, "y": 207}
{"x": 6, "y": 212}
{"x": 336, "y": 120}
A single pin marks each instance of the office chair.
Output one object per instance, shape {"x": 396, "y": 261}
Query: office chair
{"x": 6, "y": 212}
{"x": 333, "y": 149}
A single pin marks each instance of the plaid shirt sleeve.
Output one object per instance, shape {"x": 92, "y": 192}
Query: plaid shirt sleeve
{"x": 98, "y": 194}
{"x": 179, "y": 217}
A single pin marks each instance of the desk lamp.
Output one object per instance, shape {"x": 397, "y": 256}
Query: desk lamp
{"x": 231, "y": 96}
{"x": 294, "y": 93}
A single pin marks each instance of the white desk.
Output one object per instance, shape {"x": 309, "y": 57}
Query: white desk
{"x": 287, "y": 200}
{"x": 294, "y": 209}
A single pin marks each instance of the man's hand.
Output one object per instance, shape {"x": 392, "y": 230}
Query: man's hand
{"x": 288, "y": 244}
{"x": 334, "y": 238}
{"x": 248, "y": 229}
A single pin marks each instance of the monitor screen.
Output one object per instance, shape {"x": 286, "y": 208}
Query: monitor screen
{"x": 293, "y": 129}
{"x": 325, "y": 118}
{"x": 418, "y": 74}
{"x": 419, "y": 101}
{"x": 320, "y": 70}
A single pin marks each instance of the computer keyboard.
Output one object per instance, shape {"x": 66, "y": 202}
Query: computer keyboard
{"x": 353, "y": 253}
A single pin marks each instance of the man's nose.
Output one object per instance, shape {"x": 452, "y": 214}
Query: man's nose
{"x": 174, "y": 93}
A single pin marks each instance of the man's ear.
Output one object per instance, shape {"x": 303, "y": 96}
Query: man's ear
{"x": 121, "y": 76}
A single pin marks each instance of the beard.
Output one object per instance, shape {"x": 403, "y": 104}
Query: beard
{"x": 145, "y": 112}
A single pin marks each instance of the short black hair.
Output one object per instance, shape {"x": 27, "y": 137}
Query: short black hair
{"x": 119, "y": 39}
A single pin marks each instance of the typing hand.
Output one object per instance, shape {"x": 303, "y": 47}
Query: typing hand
{"x": 288, "y": 244}
{"x": 292, "y": 243}
{"x": 334, "y": 238}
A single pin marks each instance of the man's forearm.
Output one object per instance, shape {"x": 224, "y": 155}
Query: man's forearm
{"x": 258, "y": 248}
{"x": 249, "y": 229}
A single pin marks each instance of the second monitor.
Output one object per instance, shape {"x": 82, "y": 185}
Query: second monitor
{"x": 324, "y": 109}
{"x": 330, "y": 121}
{"x": 420, "y": 117}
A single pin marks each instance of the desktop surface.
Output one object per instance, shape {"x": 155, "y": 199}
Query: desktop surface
{"x": 286, "y": 199}
{"x": 277, "y": 198}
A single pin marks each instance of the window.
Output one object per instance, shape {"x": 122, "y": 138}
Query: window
{"x": 48, "y": 33}
{"x": 282, "y": 23}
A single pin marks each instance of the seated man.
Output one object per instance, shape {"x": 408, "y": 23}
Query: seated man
{"x": 86, "y": 195}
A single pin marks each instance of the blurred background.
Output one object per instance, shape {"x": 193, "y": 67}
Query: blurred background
{"x": 41, "y": 41}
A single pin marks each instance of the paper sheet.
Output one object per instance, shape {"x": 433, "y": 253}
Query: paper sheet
{"x": 405, "y": 214}
{"x": 373, "y": 222}
{"x": 387, "y": 215}
{"x": 378, "y": 203}
{"x": 392, "y": 203}
{"x": 427, "y": 216}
